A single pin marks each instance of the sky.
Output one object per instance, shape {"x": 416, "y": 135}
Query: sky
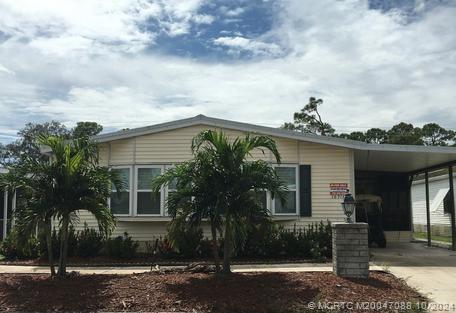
{"x": 131, "y": 63}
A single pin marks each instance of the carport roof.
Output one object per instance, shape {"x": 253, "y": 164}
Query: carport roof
{"x": 368, "y": 156}
{"x": 403, "y": 161}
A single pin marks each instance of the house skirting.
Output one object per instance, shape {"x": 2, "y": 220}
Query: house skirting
{"x": 436, "y": 229}
{"x": 398, "y": 236}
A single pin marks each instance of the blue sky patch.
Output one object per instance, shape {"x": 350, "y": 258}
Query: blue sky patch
{"x": 238, "y": 18}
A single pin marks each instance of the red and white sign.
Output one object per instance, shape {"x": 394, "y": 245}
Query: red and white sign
{"x": 338, "y": 190}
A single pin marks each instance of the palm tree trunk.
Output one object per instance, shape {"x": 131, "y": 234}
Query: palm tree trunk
{"x": 48, "y": 230}
{"x": 63, "y": 246}
{"x": 215, "y": 247}
{"x": 227, "y": 246}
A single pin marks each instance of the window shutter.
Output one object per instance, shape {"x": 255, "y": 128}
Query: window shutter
{"x": 305, "y": 190}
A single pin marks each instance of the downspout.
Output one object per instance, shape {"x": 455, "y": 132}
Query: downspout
{"x": 453, "y": 211}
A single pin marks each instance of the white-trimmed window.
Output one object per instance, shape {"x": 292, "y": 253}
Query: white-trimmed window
{"x": 289, "y": 175}
{"x": 148, "y": 202}
{"x": 137, "y": 199}
{"x": 120, "y": 202}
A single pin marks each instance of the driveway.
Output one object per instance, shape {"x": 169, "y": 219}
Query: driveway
{"x": 431, "y": 270}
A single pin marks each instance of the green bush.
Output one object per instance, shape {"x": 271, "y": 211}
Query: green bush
{"x": 121, "y": 247}
{"x": 15, "y": 247}
{"x": 205, "y": 248}
{"x": 261, "y": 241}
{"x": 188, "y": 242}
{"x": 165, "y": 249}
{"x": 55, "y": 240}
{"x": 188, "y": 245}
{"x": 269, "y": 240}
{"x": 89, "y": 242}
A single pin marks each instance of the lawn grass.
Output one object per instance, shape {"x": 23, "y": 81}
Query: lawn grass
{"x": 422, "y": 235}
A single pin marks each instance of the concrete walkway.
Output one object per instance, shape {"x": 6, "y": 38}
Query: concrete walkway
{"x": 431, "y": 270}
{"x": 306, "y": 267}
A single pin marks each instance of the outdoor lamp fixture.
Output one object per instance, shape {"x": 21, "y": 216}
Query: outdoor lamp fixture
{"x": 348, "y": 206}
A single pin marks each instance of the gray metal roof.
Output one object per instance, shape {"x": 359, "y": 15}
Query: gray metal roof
{"x": 367, "y": 156}
{"x": 279, "y": 132}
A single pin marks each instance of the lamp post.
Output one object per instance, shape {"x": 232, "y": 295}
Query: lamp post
{"x": 348, "y": 206}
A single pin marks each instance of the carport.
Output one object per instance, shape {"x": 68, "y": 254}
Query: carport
{"x": 389, "y": 170}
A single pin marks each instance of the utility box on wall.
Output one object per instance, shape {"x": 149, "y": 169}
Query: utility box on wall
{"x": 350, "y": 250}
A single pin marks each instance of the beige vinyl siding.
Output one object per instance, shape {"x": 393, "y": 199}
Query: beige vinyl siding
{"x": 103, "y": 154}
{"x": 121, "y": 151}
{"x": 141, "y": 231}
{"x": 329, "y": 164}
{"x": 174, "y": 146}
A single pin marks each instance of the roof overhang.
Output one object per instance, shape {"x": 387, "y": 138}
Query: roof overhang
{"x": 371, "y": 157}
{"x": 402, "y": 161}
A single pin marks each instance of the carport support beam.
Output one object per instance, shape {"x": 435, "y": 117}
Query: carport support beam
{"x": 428, "y": 211}
{"x": 453, "y": 218}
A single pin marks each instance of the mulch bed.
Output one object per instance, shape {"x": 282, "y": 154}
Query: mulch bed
{"x": 196, "y": 292}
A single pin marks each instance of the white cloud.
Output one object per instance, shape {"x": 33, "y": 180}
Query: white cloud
{"x": 203, "y": 19}
{"x": 57, "y": 27}
{"x": 237, "y": 44}
{"x": 4, "y": 70}
{"x": 96, "y": 27}
{"x": 371, "y": 69}
{"x": 235, "y": 12}
{"x": 176, "y": 16}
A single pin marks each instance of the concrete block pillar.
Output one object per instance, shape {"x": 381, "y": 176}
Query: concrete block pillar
{"x": 350, "y": 250}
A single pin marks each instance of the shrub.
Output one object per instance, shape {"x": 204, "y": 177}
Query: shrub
{"x": 122, "y": 247}
{"x": 151, "y": 247}
{"x": 89, "y": 242}
{"x": 205, "y": 248}
{"x": 188, "y": 242}
{"x": 261, "y": 241}
{"x": 165, "y": 249}
{"x": 269, "y": 240}
{"x": 15, "y": 247}
{"x": 55, "y": 240}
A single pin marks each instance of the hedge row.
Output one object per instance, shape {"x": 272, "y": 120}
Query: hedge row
{"x": 85, "y": 243}
{"x": 266, "y": 240}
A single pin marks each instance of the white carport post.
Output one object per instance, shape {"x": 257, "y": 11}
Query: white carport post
{"x": 428, "y": 211}
{"x": 453, "y": 211}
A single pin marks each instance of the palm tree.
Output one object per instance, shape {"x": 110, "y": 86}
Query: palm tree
{"x": 78, "y": 183}
{"x": 221, "y": 184}
{"x": 56, "y": 189}
{"x": 194, "y": 200}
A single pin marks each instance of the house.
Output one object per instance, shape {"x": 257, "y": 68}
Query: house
{"x": 317, "y": 170}
{"x": 440, "y": 204}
